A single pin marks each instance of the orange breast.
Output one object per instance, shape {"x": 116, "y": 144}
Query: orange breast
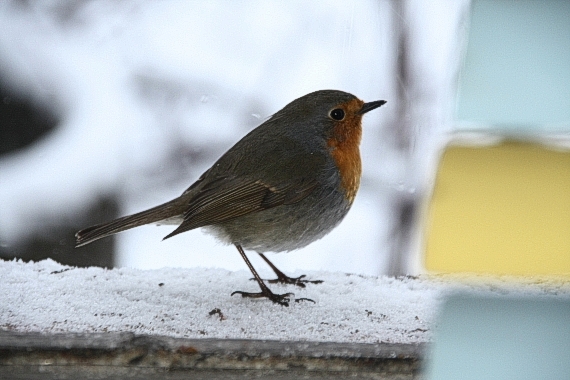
{"x": 345, "y": 150}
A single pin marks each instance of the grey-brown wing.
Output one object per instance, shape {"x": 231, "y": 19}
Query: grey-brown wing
{"x": 227, "y": 198}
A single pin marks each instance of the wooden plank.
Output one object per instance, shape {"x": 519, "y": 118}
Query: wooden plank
{"x": 126, "y": 355}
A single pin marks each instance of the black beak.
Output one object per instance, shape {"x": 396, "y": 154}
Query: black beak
{"x": 371, "y": 105}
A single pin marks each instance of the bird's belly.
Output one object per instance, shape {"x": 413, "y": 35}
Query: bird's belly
{"x": 286, "y": 227}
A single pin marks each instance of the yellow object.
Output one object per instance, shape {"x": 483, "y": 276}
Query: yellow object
{"x": 500, "y": 209}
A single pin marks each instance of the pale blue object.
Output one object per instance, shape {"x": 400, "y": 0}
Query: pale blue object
{"x": 516, "y": 72}
{"x": 501, "y": 338}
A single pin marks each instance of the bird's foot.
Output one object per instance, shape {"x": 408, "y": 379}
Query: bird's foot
{"x": 282, "y": 278}
{"x": 281, "y": 299}
{"x": 298, "y": 281}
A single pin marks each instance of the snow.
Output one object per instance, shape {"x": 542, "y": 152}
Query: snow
{"x": 180, "y": 302}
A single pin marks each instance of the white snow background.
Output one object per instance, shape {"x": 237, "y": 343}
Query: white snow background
{"x": 138, "y": 82}
{"x": 179, "y": 302}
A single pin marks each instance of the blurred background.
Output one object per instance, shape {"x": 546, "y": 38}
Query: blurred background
{"x": 111, "y": 107}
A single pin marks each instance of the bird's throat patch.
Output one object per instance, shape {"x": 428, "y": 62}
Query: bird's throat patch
{"x": 344, "y": 147}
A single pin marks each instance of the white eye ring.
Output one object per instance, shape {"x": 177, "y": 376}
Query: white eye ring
{"x": 337, "y": 114}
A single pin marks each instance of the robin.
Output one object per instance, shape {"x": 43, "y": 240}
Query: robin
{"x": 287, "y": 183}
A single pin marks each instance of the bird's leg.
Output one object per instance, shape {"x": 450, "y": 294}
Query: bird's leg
{"x": 281, "y": 299}
{"x": 282, "y": 278}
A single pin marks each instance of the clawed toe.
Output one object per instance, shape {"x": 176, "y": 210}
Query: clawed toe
{"x": 304, "y": 299}
{"x": 298, "y": 281}
{"x": 282, "y": 278}
{"x": 281, "y": 299}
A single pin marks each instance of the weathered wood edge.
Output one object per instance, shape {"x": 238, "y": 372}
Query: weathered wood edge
{"x": 128, "y": 349}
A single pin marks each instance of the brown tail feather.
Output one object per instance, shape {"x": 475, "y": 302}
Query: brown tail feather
{"x": 153, "y": 215}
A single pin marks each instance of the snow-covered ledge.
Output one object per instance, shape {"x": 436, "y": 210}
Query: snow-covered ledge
{"x": 47, "y": 297}
{"x": 176, "y": 318}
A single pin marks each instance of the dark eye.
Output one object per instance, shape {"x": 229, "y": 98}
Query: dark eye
{"x": 337, "y": 114}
